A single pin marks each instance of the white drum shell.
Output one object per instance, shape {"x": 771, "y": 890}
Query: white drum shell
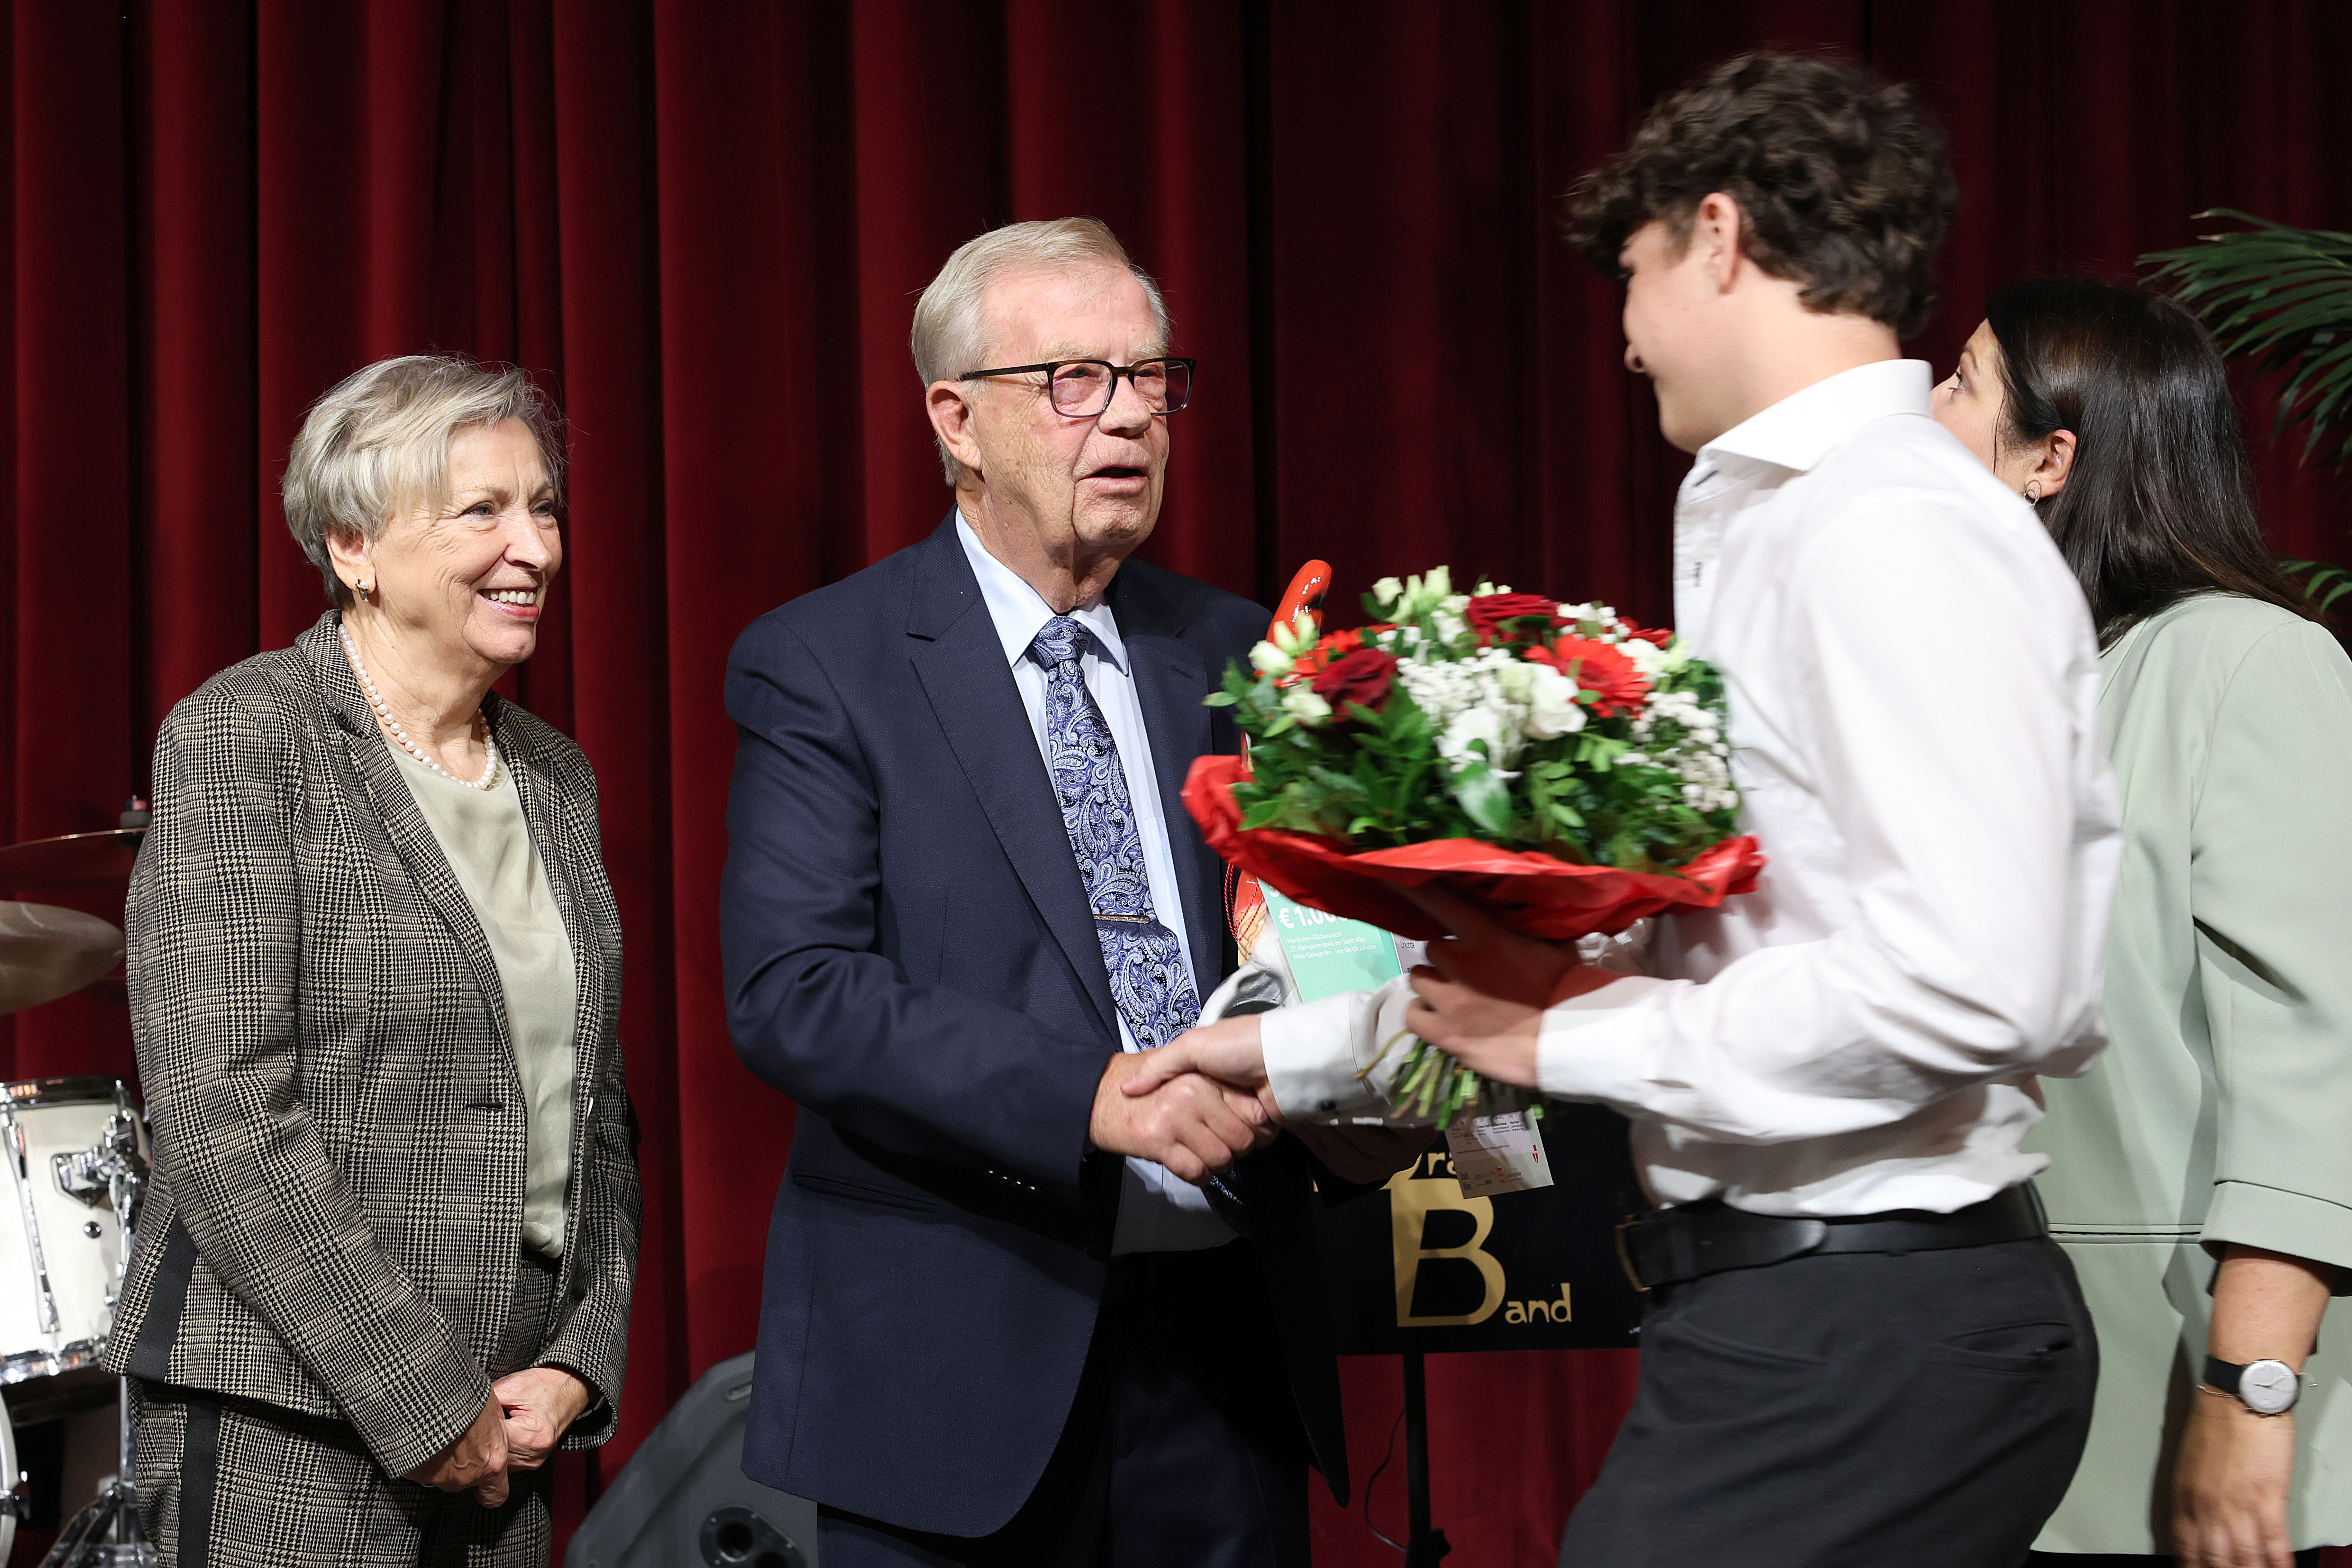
{"x": 50, "y": 1236}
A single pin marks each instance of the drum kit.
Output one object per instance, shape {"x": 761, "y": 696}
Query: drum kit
{"x": 75, "y": 1154}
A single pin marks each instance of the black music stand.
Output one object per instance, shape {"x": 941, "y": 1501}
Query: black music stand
{"x": 1403, "y": 1281}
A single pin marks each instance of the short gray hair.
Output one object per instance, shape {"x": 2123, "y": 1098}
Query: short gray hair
{"x": 950, "y": 336}
{"x": 378, "y": 443}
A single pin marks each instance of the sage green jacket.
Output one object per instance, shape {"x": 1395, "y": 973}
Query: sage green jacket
{"x": 2222, "y": 1110}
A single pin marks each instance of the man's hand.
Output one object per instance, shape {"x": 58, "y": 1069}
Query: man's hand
{"x": 1486, "y": 955}
{"x": 2230, "y": 1487}
{"x": 1184, "y": 1122}
{"x": 1368, "y": 1156}
{"x": 476, "y": 1462}
{"x": 1227, "y": 1050}
{"x": 1483, "y": 1002}
{"x": 1486, "y": 1034}
{"x": 540, "y": 1404}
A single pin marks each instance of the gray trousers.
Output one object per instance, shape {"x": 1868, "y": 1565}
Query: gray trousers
{"x": 1855, "y": 1411}
{"x": 235, "y": 1483}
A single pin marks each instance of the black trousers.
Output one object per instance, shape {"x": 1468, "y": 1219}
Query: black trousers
{"x": 1183, "y": 1448}
{"x": 1852, "y": 1411}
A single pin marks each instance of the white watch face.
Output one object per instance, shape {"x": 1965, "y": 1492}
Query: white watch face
{"x": 2268, "y": 1387}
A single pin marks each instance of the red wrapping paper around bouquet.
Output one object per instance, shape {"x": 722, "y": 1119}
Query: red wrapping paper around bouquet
{"x": 1534, "y": 894}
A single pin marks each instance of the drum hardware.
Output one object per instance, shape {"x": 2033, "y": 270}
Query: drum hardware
{"x": 44, "y": 1299}
{"x": 105, "y": 1534}
{"x": 46, "y": 952}
{"x": 110, "y": 1173}
{"x": 76, "y": 1153}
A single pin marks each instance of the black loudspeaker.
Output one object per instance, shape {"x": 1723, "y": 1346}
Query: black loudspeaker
{"x": 683, "y": 1501}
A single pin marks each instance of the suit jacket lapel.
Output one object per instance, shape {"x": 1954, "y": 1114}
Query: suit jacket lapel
{"x": 403, "y": 820}
{"x": 960, "y": 664}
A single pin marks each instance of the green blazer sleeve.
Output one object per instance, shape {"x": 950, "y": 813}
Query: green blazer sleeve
{"x": 2271, "y": 896}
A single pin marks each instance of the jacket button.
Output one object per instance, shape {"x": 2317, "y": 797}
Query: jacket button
{"x": 1329, "y": 1105}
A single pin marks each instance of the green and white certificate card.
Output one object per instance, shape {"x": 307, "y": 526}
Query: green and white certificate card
{"x": 1329, "y": 953}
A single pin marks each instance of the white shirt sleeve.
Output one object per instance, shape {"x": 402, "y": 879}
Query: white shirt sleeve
{"x": 1944, "y": 706}
{"x": 1321, "y": 1056}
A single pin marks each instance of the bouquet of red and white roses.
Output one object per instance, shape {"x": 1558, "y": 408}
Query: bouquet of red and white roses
{"x": 1559, "y": 765}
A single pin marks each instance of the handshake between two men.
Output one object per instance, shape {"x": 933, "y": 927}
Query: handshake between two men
{"x": 1206, "y": 1098}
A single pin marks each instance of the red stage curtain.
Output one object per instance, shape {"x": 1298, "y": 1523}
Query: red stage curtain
{"x": 703, "y": 224}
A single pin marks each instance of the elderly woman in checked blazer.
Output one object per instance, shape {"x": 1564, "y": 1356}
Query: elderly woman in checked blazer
{"x": 383, "y": 1271}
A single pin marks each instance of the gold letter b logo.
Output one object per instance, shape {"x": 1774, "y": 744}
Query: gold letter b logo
{"x": 1410, "y": 1201}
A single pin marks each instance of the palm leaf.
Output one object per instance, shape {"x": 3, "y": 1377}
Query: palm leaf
{"x": 2283, "y": 295}
{"x": 2322, "y": 583}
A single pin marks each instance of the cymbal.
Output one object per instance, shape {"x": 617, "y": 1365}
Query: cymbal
{"x": 46, "y": 952}
{"x": 75, "y": 860}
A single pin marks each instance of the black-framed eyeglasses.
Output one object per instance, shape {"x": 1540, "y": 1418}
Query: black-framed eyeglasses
{"x": 1082, "y": 389}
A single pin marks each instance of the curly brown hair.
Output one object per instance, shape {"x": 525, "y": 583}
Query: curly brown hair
{"x": 1841, "y": 180}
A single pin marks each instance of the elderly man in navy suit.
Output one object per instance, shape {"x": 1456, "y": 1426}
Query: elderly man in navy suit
{"x": 1014, "y": 1315}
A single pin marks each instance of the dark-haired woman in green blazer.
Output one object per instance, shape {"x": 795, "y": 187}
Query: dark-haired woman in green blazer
{"x": 2201, "y": 1174}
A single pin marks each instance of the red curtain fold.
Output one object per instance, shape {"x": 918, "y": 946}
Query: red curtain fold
{"x": 703, "y": 223}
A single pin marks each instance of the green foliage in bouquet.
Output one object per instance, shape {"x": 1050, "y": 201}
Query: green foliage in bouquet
{"x": 1497, "y": 716}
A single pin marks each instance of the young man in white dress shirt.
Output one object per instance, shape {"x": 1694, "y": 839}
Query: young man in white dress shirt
{"x": 1860, "y": 1347}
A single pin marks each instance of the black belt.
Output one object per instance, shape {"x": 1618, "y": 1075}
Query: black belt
{"x": 1668, "y": 1246}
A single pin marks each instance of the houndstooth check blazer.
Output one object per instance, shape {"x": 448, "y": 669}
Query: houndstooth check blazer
{"x": 335, "y": 1217}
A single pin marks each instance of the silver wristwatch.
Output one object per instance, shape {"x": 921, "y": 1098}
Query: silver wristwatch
{"x": 2265, "y": 1388}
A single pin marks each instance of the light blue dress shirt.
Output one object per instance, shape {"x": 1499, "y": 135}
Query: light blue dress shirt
{"x": 1158, "y": 1212}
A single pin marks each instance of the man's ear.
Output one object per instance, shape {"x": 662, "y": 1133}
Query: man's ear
{"x": 949, "y": 407}
{"x": 2056, "y": 464}
{"x": 1714, "y": 231}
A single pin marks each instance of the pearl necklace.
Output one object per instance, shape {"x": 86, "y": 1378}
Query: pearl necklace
{"x": 375, "y": 700}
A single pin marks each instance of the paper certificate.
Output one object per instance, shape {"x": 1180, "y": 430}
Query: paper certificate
{"x": 1498, "y": 1154}
{"x": 1328, "y": 953}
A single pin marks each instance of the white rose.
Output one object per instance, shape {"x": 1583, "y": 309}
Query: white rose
{"x": 1644, "y": 655}
{"x": 1471, "y": 725}
{"x": 1387, "y": 592}
{"x": 1552, "y": 707}
{"x": 1268, "y": 659}
{"x": 1301, "y": 703}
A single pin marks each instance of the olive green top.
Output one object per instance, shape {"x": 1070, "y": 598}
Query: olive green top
{"x": 488, "y": 840}
{"x": 2222, "y": 1110}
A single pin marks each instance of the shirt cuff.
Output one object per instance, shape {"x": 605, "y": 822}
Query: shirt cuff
{"x": 1315, "y": 1051}
{"x": 1588, "y": 1047}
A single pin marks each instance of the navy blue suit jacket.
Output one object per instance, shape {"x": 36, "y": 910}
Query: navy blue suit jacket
{"x": 909, "y": 954}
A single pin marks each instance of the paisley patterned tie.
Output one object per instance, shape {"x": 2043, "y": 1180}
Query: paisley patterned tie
{"x": 1148, "y": 979}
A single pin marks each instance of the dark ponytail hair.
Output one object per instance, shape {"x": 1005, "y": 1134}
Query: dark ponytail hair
{"x": 2160, "y": 504}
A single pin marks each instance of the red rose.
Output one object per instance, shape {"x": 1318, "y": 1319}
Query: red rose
{"x": 1656, "y": 636}
{"x": 1616, "y": 686}
{"x": 1487, "y": 612}
{"x": 1362, "y": 677}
